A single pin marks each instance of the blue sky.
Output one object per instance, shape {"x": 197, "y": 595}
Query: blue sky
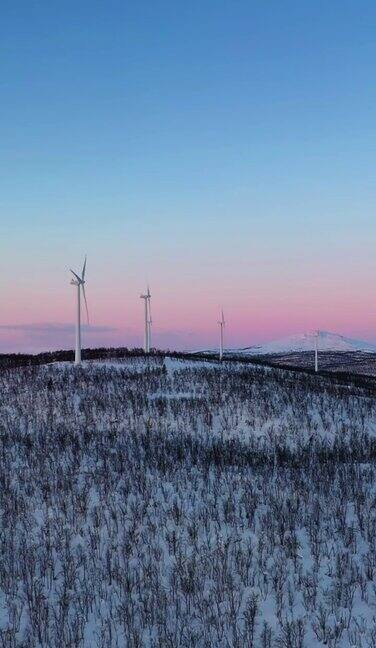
{"x": 222, "y": 150}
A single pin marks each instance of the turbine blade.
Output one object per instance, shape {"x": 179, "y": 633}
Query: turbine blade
{"x": 87, "y": 310}
{"x": 76, "y": 275}
{"x": 84, "y": 269}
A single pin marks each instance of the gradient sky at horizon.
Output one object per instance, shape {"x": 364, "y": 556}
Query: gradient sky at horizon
{"x": 222, "y": 151}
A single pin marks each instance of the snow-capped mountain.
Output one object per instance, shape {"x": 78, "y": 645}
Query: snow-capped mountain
{"x": 306, "y": 342}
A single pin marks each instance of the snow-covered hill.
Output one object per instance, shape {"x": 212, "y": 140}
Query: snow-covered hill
{"x": 306, "y": 342}
{"x": 158, "y": 502}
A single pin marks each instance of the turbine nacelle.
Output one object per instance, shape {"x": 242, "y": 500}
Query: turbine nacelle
{"x": 77, "y": 281}
{"x": 147, "y": 295}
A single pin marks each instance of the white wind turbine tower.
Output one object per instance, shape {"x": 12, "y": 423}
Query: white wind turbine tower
{"x": 317, "y": 333}
{"x": 79, "y": 282}
{"x": 149, "y": 317}
{"x": 221, "y": 335}
{"x": 148, "y": 321}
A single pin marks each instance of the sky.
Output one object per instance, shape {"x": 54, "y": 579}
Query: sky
{"x": 223, "y": 151}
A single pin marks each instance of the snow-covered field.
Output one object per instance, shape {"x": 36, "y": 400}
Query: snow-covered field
{"x": 169, "y": 503}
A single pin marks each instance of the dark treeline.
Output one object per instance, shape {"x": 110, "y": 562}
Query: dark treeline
{"x": 14, "y": 360}
{"x": 350, "y": 379}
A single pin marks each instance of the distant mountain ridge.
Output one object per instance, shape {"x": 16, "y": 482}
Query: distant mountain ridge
{"x": 306, "y": 342}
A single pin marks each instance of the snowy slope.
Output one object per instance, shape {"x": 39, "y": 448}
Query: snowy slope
{"x": 306, "y": 342}
{"x": 160, "y": 503}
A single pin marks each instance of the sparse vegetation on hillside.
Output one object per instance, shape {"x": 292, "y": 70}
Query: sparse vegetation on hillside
{"x": 159, "y": 502}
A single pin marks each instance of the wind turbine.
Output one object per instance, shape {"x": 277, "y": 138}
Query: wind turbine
{"x": 221, "y": 334}
{"x": 148, "y": 321}
{"x": 317, "y": 333}
{"x": 79, "y": 282}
